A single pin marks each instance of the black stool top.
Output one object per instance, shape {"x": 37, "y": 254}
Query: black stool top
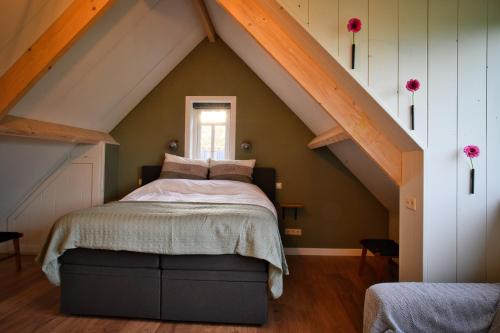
{"x": 384, "y": 247}
{"x": 7, "y": 236}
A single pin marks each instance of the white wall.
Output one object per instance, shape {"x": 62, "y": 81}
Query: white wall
{"x": 453, "y": 48}
{"x": 462, "y": 230}
{"x": 77, "y": 184}
{"x": 411, "y": 250}
{"x": 471, "y": 127}
{"x": 493, "y": 141}
{"x": 23, "y": 164}
{"x": 441, "y": 159}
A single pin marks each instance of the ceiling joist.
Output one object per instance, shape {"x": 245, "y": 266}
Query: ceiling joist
{"x": 30, "y": 128}
{"x": 329, "y": 137}
{"x": 263, "y": 21}
{"x": 41, "y": 56}
{"x": 201, "y": 9}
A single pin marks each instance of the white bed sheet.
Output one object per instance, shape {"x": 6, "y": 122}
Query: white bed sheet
{"x": 205, "y": 191}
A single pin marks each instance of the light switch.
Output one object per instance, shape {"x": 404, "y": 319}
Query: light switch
{"x": 411, "y": 203}
{"x": 279, "y": 186}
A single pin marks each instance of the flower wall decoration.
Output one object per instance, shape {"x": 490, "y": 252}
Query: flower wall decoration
{"x": 412, "y": 85}
{"x": 472, "y": 151}
{"x": 354, "y": 25}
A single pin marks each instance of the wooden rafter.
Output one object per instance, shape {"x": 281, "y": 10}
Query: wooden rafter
{"x": 329, "y": 137}
{"x": 260, "y": 19}
{"x": 30, "y": 128}
{"x": 41, "y": 56}
{"x": 200, "y": 7}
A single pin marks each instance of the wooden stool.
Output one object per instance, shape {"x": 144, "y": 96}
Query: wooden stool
{"x": 383, "y": 249}
{"x": 14, "y": 236}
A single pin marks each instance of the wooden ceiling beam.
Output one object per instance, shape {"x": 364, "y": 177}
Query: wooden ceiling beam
{"x": 201, "y": 9}
{"x": 30, "y": 128}
{"x": 329, "y": 137}
{"x": 275, "y": 33}
{"x": 41, "y": 56}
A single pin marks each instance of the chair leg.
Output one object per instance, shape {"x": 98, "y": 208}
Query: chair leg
{"x": 392, "y": 269}
{"x": 362, "y": 261}
{"x": 380, "y": 267}
{"x": 17, "y": 252}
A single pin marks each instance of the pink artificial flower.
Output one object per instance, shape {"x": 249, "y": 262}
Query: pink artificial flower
{"x": 354, "y": 25}
{"x": 412, "y": 85}
{"x": 471, "y": 151}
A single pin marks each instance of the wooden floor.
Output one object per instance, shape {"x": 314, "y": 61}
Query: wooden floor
{"x": 322, "y": 294}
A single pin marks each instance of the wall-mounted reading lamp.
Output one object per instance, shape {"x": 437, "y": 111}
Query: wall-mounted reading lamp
{"x": 173, "y": 145}
{"x": 246, "y": 146}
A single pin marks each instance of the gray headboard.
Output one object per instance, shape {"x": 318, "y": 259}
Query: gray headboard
{"x": 264, "y": 178}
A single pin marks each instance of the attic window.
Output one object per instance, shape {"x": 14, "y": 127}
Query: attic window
{"x": 210, "y": 127}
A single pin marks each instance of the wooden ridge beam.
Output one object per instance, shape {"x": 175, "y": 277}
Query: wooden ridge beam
{"x": 201, "y": 9}
{"x": 329, "y": 137}
{"x": 30, "y": 128}
{"x": 266, "y": 26}
{"x": 41, "y": 56}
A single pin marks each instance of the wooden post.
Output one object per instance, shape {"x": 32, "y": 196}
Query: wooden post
{"x": 329, "y": 137}
{"x": 277, "y": 34}
{"x": 24, "y": 127}
{"x": 200, "y": 7}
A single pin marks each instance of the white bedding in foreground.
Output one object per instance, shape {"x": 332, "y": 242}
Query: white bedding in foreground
{"x": 205, "y": 191}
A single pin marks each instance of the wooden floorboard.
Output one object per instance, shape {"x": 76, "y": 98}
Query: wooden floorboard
{"x": 322, "y": 294}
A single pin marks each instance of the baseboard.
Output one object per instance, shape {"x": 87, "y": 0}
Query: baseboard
{"x": 26, "y": 249}
{"x": 5, "y": 248}
{"x": 30, "y": 249}
{"x": 311, "y": 251}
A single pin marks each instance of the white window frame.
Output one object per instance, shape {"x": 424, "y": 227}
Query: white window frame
{"x": 191, "y": 123}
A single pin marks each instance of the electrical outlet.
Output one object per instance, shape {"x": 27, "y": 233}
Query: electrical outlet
{"x": 139, "y": 181}
{"x": 411, "y": 203}
{"x": 293, "y": 232}
{"x": 279, "y": 186}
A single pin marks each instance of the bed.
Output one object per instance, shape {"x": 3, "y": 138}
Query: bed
{"x": 233, "y": 263}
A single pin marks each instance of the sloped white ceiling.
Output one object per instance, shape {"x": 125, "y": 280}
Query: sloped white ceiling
{"x": 302, "y": 104}
{"x": 22, "y": 22}
{"x": 104, "y": 75}
{"x": 269, "y": 71}
{"x": 115, "y": 64}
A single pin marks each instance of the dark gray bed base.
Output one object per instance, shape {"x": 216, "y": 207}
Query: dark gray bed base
{"x": 199, "y": 288}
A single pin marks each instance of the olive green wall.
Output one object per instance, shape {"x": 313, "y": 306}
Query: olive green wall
{"x": 339, "y": 209}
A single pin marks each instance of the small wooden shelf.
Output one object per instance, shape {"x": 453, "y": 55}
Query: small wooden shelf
{"x": 291, "y": 205}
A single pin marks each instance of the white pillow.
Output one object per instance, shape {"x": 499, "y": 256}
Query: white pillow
{"x": 239, "y": 170}
{"x": 185, "y": 160}
{"x": 184, "y": 168}
{"x": 247, "y": 163}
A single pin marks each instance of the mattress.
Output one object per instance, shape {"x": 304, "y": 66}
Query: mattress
{"x": 176, "y": 217}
